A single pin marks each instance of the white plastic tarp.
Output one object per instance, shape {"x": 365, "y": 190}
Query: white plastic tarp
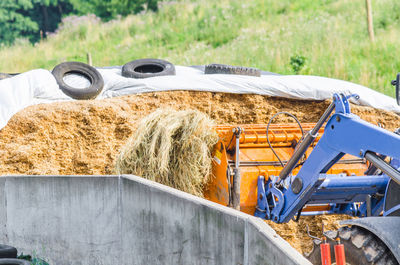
{"x": 39, "y": 86}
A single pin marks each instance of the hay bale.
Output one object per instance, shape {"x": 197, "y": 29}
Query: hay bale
{"x": 173, "y": 148}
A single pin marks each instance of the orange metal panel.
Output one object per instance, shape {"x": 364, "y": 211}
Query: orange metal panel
{"x": 217, "y": 188}
{"x": 254, "y": 148}
{"x": 317, "y": 208}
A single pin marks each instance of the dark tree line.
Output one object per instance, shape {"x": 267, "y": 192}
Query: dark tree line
{"x": 32, "y": 19}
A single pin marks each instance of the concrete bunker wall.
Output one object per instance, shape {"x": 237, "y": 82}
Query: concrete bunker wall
{"x": 130, "y": 220}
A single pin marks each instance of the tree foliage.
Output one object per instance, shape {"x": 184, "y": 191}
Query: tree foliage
{"x": 13, "y": 21}
{"x": 33, "y": 19}
{"x": 48, "y": 14}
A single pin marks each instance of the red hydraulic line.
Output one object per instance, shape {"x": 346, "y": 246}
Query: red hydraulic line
{"x": 325, "y": 252}
{"x": 339, "y": 253}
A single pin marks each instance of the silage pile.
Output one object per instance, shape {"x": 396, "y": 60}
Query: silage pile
{"x": 172, "y": 148}
{"x": 85, "y": 137}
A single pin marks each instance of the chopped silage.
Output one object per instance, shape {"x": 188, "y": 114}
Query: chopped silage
{"x": 171, "y": 147}
{"x": 85, "y": 137}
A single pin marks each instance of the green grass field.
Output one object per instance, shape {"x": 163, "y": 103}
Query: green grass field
{"x": 331, "y": 35}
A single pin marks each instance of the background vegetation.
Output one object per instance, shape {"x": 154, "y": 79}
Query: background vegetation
{"x": 34, "y": 19}
{"x": 326, "y": 38}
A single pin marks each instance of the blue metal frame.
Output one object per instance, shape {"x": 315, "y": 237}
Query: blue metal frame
{"x": 345, "y": 133}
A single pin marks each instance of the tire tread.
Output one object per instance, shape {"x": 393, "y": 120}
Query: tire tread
{"x": 359, "y": 244}
{"x": 230, "y": 69}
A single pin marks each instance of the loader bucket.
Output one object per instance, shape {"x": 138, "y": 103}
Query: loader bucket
{"x": 256, "y": 158}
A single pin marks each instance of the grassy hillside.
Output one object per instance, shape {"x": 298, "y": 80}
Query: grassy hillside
{"x": 330, "y": 34}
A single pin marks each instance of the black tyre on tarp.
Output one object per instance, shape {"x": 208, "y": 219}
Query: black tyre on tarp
{"x": 87, "y": 71}
{"x": 231, "y": 70}
{"x": 7, "y": 252}
{"x": 360, "y": 245}
{"x": 144, "y": 68}
{"x": 14, "y": 262}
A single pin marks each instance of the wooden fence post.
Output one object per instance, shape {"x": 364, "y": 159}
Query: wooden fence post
{"x": 89, "y": 59}
{"x": 369, "y": 20}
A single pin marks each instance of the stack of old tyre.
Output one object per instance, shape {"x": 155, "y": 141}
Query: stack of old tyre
{"x": 142, "y": 68}
{"x": 8, "y": 256}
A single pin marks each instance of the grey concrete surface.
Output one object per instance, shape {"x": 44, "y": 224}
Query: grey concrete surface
{"x": 129, "y": 220}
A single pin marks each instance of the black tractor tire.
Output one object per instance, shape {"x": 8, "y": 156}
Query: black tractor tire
{"x": 231, "y": 70}
{"x": 144, "y": 68}
{"x": 7, "y": 252}
{"x": 360, "y": 246}
{"x": 87, "y": 71}
{"x": 14, "y": 262}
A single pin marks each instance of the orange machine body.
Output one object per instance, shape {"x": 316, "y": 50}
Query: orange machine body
{"x": 257, "y": 158}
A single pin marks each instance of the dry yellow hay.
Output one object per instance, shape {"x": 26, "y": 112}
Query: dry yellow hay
{"x": 171, "y": 147}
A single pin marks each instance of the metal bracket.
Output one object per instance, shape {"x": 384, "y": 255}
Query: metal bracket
{"x": 342, "y": 104}
{"x": 262, "y": 208}
{"x": 350, "y": 209}
{"x": 278, "y": 201}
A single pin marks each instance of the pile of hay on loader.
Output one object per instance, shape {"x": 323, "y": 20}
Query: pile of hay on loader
{"x": 173, "y": 148}
{"x": 86, "y": 137}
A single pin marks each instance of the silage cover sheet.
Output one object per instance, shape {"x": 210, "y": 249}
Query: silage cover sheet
{"x": 39, "y": 86}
